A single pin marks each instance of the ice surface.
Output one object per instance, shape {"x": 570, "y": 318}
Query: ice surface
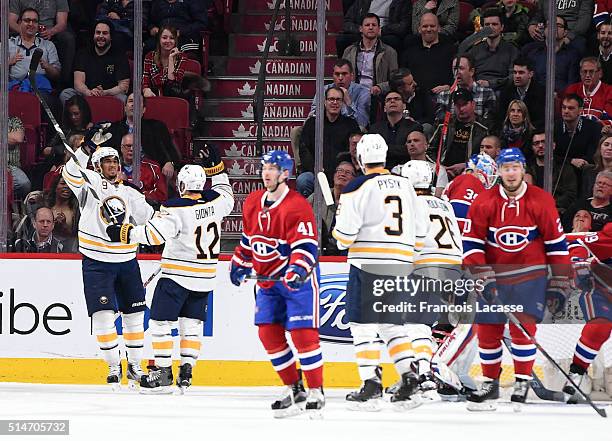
{"x": 228, "y": 414}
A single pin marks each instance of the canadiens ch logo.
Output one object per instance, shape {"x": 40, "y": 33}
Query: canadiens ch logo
{"x": 265, "y": 249}
{"x": 512, "y": 239}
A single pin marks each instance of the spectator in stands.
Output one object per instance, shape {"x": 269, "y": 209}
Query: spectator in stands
{"x": 602, "y": 160}
{"x": 100, "y": 70}
{"x": 494, "y": 57}
{"x": 65, "y": 207}
{"x": 152, "y": 181}
{"x": 42, "y": 240}
{"x": 121, "y": 15}
{"x": 523, "y": 87}
{"x": 598, "y": 205}
{"x": 517, "y": 128}
{"x": 164, "y": 68}
{"x": 565, "y": 185}
{"x": 582, "y": 222}
{"x": 53, "y": 26}
{"x": 596, "y": 95}
{"x": 74, "y": 142}
{"x": 603, "y": 49}
{"x": 577, "y": 16}
{"x": 373, "y": 60}
{"x": 483, "y": 97}
{"x": 447, "y": 12}
{"x": 395, "y": 16}
{"x": 356, "y": 103}
{"x": 189, "y": 18}
{"x": 336, "y": 131}
{"x": 465, "y": 132}
{"x": 515, "y": 18}
{"x": 436, "y": 74}
{"x": 576, "y": 136}
{"x": 354, "y": 138}
{"x": 394, "y": 128}
{"x": 491, "y": 145}
{"x": 416, "y": 144}
{"x": 16, "y": 138}
{"x": 418, "y": 102}
{"x": 601, "y": 13}
{"x": 156, "y": 142}
{"x": 344, "y": 173}
{"x": 566, "y": 58}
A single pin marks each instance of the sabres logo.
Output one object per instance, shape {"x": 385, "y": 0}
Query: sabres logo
{"x": 512, "y": 239}
{"x": 112, "y": 210}
{"x": 265, "y": 249}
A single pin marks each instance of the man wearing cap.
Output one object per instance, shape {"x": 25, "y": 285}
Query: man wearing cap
{"x": 466, "y": 130}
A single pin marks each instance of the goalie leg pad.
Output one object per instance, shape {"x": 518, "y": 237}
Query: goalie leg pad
{"x": 106, "y": 333}
{"x": 161, "y": 339}
{"x": 306, "y": 341}
{"x": 272, "y": 336}
{"x": 190, "y": 330}
{"x": 367, "y": 345}
{"x": 133, "y": 335}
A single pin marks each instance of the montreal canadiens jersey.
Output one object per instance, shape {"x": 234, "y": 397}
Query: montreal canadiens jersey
{"x": 461, "y": 192}
{"x": 191, "y": 230}
{"x": 125, "y": 202}
{"x": 277, "y": 234}
{"x": 599, "y": 245}
{"x": 379, "y": 220}
{"x": 442, "y": 243}
{"x": 521, "y": 234}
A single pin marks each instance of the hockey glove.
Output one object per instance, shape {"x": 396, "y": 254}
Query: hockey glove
{"x": 96, "y": 136}
{"x": 556, "y": 294}
{"x": 119, "y": 233}
{"x": 208, "y": 157}
{"x": 489, "y": 285}
{"x": 582, "y": 275}
{"x": 294, "y": 277}
{"x": 238, "y": 273}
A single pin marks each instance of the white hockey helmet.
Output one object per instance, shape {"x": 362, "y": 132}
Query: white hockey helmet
{"x": 103, "y": 152}
{"x": 371, "y": 149}
{"x": 419, "y": 173}
{"x": 190, "y": 178}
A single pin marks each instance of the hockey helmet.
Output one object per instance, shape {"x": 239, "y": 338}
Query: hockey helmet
{"x": 190, "y": 178}
{"x": 484, "y": 167}
{"x": 419, "y": 173}
{"x": 371, "y": 149}
{"x": 280, "y": 159}
{"x": 511, "y": 155}
{"x": 103, "y": 152}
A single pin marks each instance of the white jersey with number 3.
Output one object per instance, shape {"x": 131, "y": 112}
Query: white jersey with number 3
{"x": 443, "y": 241}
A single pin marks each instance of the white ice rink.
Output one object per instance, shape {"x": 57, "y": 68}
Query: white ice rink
{"x": 227, "y": 414}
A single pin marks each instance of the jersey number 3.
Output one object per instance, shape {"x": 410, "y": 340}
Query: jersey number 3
{"x": 397, "y": 214}
{"x": 213, "y": 248}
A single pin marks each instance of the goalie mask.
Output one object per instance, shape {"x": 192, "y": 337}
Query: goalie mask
{"x": 371, "y": 149}
{"x": 484, "y": 168}
{"x": 419, "y": 173}
{"x": 190, "y": 178}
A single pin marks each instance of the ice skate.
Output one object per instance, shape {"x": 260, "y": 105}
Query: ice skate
{"x": 315, "y": 402}
{"x": 482, "y": 400}
{"x": 368, "y": 398}
{"x": 113, "y": 378}
{"x": 581, "y": 379}
{"x": 394, "y": 387}
{"x": 184, "y": 377}
{"x": 428, "y": 388}
{"x": 406, "y": 398}
{"x": 134, "y": 375}
{"x": 519, "y": 395}
{"x": 158, "y": 381}
{"x": 291, "y": 401}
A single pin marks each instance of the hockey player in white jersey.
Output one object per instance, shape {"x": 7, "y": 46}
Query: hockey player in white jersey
{"x": 190, "y": 227}
{"x": 111, "y": 275}
{"x": 378, "y": 222}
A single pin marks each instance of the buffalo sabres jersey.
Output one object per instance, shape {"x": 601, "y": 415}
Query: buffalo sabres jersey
{"x": 378, "y": 220}
{"x": 442, "y": 244}
{"x": 520, "y": 234}
{"x": 191, "y": 230}
{"x": 120, "y": 202}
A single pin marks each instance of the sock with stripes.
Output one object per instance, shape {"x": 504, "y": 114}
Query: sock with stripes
{"x": 104, "y": 329}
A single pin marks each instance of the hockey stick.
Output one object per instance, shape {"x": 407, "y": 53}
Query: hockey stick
{"x": 543, "y": 351}
{"x": 151, "y": 277}
{"x": 36, "y": 56}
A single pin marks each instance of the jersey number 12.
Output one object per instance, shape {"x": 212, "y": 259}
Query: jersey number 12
{"x": 213, "y": 248}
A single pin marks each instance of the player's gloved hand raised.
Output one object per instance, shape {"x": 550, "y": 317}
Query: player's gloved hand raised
{"x": 96, "y": 136}
{"x": 238, "y": 273}
{"x": 294, "y": 277}
{"x": 208, "y": 157}
{"x": 119, "y": 233}
{"x": 556, "y": 294}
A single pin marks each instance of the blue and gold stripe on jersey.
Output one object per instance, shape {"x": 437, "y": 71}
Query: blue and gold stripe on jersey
{"x": 382, "y": 252}
{"x": 200, "y": 269}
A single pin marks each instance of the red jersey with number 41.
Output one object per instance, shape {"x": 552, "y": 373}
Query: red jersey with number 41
{"x": 278, "y": 234}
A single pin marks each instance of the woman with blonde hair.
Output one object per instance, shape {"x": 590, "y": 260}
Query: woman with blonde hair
{"x": 603, "y": 161}
{"x": 517, "y": 128}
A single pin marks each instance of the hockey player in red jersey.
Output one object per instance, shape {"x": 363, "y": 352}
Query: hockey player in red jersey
{"x": 279, "y": 240}
{"x": 513, "y": 234}
{"x": 480, "y": 174}
{"x": 596, "y": 302}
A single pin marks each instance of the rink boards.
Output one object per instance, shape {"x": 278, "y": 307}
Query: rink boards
{"x": 45, "y": 333}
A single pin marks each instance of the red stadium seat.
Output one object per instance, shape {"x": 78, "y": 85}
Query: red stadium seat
{"x": 192, "y": 66}
{"x": 465, "y": 9}
{"x": 174, "y": 112}
{"x": 105, "y": 108}
{"x": 26, "y": 107}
